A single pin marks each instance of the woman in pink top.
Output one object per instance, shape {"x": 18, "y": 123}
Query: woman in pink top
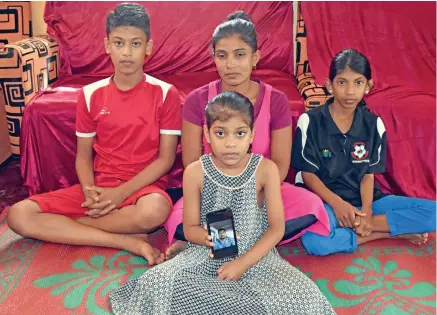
{"x": 235, "y": 54}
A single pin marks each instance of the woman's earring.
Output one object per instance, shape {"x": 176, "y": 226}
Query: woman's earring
{"x": 254, "y": 67}
{"x": 367, "y": 92}
{"x": 330, "y": 91}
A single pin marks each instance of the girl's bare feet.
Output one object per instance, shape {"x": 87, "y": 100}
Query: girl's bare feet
{"x": 417, "y": 239}
{"x": 175, "y": 249}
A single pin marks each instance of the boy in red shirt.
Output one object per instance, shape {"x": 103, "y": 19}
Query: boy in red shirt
{"x": 132, "y": 121}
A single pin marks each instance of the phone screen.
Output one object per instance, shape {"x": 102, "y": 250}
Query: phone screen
{"x": 222, "y": 230}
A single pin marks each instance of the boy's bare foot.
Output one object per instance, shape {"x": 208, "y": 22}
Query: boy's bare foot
{"x": 417, "y": 239}
{"x": 138, "y": 245}
{"x": 175, "y": 249}
{"x": 151, "y": 254}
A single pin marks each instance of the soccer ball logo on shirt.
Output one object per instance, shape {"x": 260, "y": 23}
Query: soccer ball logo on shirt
{"x": 360, "y": 153}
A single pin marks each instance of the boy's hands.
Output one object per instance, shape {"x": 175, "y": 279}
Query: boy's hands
{"x": 91, "y": 197}
{"x": 107, "y": 200}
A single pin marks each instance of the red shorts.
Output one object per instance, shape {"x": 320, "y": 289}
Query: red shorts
{"x": 67, "y": 201}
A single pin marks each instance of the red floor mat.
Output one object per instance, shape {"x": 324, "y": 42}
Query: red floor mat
{"x": 384, "y": 277}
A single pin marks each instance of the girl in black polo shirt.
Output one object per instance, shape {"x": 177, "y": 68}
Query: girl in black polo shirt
{"x": 338, "y": 147}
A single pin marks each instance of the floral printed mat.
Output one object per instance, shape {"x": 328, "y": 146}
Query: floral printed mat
{"x": 383, "y": 277}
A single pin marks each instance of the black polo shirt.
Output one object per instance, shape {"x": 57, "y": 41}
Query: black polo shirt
{"x": 340, "y": 160}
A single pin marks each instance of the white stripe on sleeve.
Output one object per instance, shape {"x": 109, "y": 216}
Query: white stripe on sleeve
{"x": 170, "y": 132}
{"x": 302, "y": 124}
{"x": 381, "y": 130}
{"x": 85, "y": 135}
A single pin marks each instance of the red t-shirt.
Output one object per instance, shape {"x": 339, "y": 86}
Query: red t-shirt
{"x": 127, "y": 125}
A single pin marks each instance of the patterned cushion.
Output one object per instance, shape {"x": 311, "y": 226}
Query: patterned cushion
{"x": 26, "y": 67}
{"x": 313, "y": 94}
{"x": 15, "y": 21}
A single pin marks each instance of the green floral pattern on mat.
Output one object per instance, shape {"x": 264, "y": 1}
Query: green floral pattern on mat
{"x": 14, "y": 261}
{"x": 94, "y": 280}
{"x": 368, "y": 284}
{"x": 381, "y": 289}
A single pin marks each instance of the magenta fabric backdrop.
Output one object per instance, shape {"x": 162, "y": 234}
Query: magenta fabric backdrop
{"x": 181, "y": 32}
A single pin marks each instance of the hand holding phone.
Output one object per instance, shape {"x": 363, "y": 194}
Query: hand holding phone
{"x": 208, "y": 238}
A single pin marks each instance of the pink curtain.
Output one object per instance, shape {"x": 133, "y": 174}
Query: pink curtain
{"x": 399, "y": 38}
{"x": 181, "y": 32}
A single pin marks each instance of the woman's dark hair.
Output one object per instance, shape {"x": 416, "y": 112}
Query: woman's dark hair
{"x": 238, "y": 23}
{"x": 355, "y": 61}
{"x": 129, "y": 14}
{"x": 225, "y": 105}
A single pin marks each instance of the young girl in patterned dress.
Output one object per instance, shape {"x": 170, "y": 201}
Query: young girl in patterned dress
{"x": 256, "y": 281}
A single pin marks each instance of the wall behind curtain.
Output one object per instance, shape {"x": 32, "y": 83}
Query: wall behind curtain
{"x": 39, "y": 27}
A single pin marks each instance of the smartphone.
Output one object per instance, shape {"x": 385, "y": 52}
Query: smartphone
{"x": 221, "y": 227}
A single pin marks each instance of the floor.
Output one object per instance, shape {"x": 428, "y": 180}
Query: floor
{"x": 388, "y": 277}
{"x": 11, "y": 184}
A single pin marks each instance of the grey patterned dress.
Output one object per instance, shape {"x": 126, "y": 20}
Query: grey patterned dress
{"x": 188, "y": 284}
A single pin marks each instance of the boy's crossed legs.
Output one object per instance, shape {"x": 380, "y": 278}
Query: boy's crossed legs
{"x": 58, "y": 217}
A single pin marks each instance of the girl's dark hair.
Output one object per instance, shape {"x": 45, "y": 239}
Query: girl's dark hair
{"x": 225, "y": 105}
{"x": 129, "y": 14}
{"x": 355, "y": 61}
{"x": 237, "y": 23}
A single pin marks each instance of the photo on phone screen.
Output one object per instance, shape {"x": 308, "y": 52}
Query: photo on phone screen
{"x": 221, "y": 228}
